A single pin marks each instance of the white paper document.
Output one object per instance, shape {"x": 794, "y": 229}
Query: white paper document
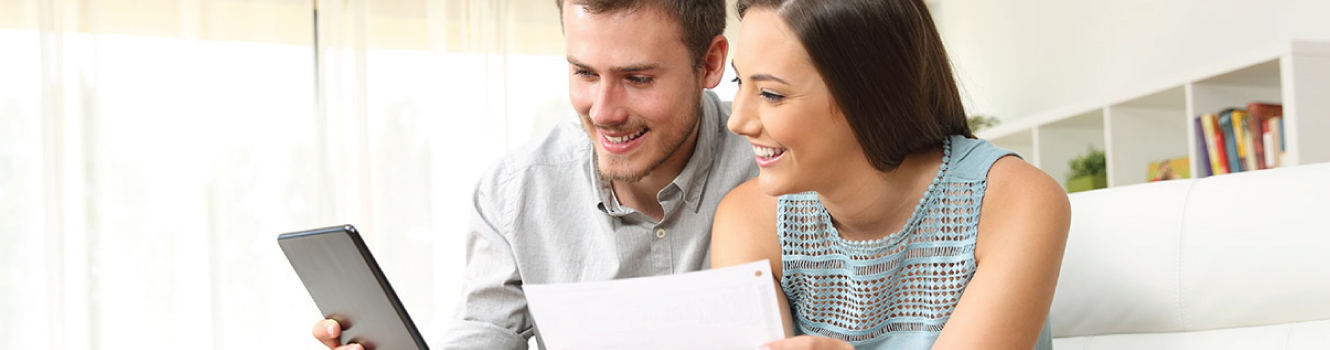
{"x": 721, "y": 309}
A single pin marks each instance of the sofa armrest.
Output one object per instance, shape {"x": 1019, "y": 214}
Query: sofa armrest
{"x": 1231, "y": 251}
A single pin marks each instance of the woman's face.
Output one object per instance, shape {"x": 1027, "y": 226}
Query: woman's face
{"x": 784, "y": 108}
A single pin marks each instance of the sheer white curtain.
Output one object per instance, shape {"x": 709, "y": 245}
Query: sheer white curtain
{"x": 151, "y": 151}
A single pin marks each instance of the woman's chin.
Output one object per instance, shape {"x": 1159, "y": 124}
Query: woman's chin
{"x": 772, "y": 185}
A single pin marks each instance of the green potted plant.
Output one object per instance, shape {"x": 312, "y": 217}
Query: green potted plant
{"x": 1088, "y": 171}
{"x": 980, "y": 122}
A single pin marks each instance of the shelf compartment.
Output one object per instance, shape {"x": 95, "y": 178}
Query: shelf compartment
{"x": 1058, "y": 142}
{"x": 1145, "y": 130}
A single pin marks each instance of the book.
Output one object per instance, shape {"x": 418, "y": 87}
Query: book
{"x": 1282, "y": 147}
{"x": 1230, "y": 145}
{"x": 1268, "y": 140}
{"x": 1242, "y": 124}
{"x": 1170, "y": 169}
{"x": 1214, "y": 142}
{"x": 1240, "y": 136}
{"x": 1255, "y": 145}
{"x": 1202, "y": 153}
{"x": 1274, "y": 145}
{"x": 1260, "y": 114}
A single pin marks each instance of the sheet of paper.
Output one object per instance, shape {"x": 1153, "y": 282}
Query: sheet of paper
{"x": 721, "y": 309}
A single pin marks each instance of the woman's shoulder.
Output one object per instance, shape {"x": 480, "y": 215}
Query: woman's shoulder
{"x": 1022, "y": 204}
{"x": 745, "y": 228}
{"x": 747, "y": 204}
{"x": 1013, "y": 179}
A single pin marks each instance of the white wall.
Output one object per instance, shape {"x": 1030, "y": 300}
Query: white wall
{"x": 1017, "y": 58}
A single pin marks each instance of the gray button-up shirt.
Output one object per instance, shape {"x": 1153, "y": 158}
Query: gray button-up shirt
{"x": 543, "y": 215}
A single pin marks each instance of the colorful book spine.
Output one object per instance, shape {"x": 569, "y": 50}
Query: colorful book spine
{"x": 1268, "y": 139}
{"x": 1260, "y": 114}
{"x": 1282, "y": 146}
{"x": 1274, "y": 134}
{"x": 1230, "y": 142}
{"x": 1214, "y": 142}
{"x": 1248, "y": 140}
{"x": 1240, "y": 137}
{"x": 1203, "y": 168}
{"x": 1254, "y": 135}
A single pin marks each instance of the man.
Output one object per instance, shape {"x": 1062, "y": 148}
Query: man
{"x": 632, "y": 194}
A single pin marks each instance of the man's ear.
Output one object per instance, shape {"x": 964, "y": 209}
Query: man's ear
{"x": 713, "y": 63}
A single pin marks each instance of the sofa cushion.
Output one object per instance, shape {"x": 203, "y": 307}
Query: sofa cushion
{"x": 1256, "y": 249}
{"x": 1120, "y": 270}
{"x": 1289, "y": 336}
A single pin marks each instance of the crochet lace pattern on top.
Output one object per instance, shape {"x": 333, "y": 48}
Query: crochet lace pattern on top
{"x": 908, "y": 281}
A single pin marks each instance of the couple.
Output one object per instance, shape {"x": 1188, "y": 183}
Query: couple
{"x": 867, "y": 200}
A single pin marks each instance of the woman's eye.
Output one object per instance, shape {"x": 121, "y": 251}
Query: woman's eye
{"x": 737, "y": 81}
{"x": 771, "y": 96}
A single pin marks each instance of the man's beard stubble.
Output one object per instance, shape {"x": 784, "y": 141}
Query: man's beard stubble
{"x": 668, "y": 154}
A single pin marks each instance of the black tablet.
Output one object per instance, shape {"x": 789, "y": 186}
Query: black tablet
{"x": 347, "y": 285}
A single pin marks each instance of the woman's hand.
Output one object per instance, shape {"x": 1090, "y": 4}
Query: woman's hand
{"x": 807, "y": 342}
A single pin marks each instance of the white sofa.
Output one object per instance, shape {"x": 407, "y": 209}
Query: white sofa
{"x": 1238, "y": 261}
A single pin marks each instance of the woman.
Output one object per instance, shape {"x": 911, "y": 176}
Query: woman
{"x": 893, "y": 227}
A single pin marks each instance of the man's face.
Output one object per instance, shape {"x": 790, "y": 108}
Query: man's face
{"x": 635, "y": 87}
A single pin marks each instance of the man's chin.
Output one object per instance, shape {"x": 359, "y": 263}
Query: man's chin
{"x": 621, "y": 170}
{"x": 631, "y": 167}
{"x": 622, "y": 175}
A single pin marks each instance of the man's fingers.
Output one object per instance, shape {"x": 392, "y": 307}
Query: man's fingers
{"x": 327, "y": 331}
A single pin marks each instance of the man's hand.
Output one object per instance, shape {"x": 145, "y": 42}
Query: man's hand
{"x": 807, "y": 342}
{"x": 327, "y": 331}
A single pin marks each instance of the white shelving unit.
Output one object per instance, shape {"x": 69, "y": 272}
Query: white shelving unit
{"x": 1158, "y": 125}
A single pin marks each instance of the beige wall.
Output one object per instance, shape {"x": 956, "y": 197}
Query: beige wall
{"x": 1016, "y": 58}
{"x": 529, "y": 26}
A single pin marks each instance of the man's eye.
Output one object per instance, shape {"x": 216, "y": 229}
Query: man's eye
{"x": 582, "y": 73}
{"x": 639, "y": 79}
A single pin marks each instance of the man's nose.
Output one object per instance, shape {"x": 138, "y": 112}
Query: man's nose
{"x": 608, "y": 106}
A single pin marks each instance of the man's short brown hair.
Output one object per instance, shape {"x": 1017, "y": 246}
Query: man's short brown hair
{"x": 699, "y": 20}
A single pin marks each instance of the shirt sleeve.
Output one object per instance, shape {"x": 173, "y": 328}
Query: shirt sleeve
{"x": 492, "y": 313}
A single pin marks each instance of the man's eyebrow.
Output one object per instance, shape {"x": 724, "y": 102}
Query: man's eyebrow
{"x": 632, "y": 68}
{"x": 575, "y": 62}
{"x": 759, "y": 77}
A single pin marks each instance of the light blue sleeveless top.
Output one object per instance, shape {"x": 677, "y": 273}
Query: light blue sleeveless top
{"x": 896, "y": 292}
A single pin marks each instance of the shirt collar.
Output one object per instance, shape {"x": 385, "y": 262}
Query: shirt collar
{"x": 691, "y": 181}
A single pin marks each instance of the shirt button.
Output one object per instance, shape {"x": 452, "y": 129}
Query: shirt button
{"x": 660, "y": 233}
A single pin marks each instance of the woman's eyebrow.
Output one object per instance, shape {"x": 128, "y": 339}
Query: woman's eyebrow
{"x": 759, "y": 77}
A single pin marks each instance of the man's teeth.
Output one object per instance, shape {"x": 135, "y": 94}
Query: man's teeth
{"x": 626, "y": 138}
{"x": 767, "y": 152}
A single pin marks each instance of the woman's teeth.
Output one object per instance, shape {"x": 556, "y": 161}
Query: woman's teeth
{"x": 768, "y": 152}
